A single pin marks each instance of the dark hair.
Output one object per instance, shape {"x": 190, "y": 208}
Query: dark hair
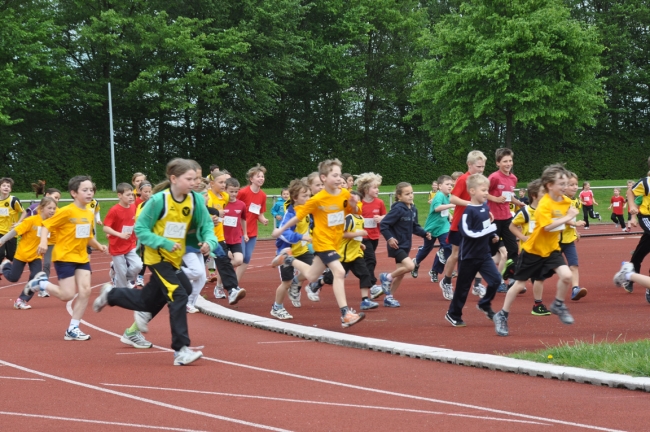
{"x": 50, "y": 191}
{"x": 295, "y": 187}
{"x": 503, "y": 152}
{"x": 287, "y": 189}
{"x": 533, "y": 189}
{"x": 443, "y": 178}
{"x": 551, "y": 173}
{"x": 400, "y": 186}
{"x": 232, "y": 182}
{"x": 175, "y": 167}
{"x": 45, "y": 201}
{"x": 356, "y": 193}
{"x": 4, "y": 180}
{"x": 123, "y": 187}
{"x": 144, "y": 184}
{"x": 75, "y": 182}
{"x": 214, "y": 167}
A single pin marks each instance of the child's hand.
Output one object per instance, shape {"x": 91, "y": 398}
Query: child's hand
{"x": 362, "y": 233}
{"x": 125, "y": 236}
{"x": 246, "y": 238}
{"x": 215, "y": 220}
{"x": 264, "y": 220}
{"x": 276, "y": 233}
{"x": 428, "y": 236}
{"x": 278, "y": 217}
{"x": 103, "y": 248}
{"x": 495, "y": 239}
{"x": 363, "y": 247}
{"x": 353, "y": 201}
{"x": 393, "y": 243}
{"x": 525, "y": 239}
{"x": 429, "y": 201}
{"x": 177, "y": 246}
{"x": 306, "y": 238}
{"x": 572, "y": 212}
{"x": 99, "y": 222}
{"x": 491, "y": 217}
{"x": 42, "y": 250}
{"x": 633, "y": 221}
{"x": 204, "y": 248}
{"x": 500, "y": 199}
{"x": 580, "y": 223}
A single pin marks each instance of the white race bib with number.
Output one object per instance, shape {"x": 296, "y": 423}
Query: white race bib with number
{"x": 126, "y": 229}
{"x": 444, "y": 213}
{"x": 255, "y": 208}
{"x": 230, "y": 221}
{"x": 558, "y": 228}
{"x": 359, "y": 239}
{"x": 175, "y": 230}
{"x": 4, "y": 211}
{"x": 531, "y": 226}
{"x": 335, "y": 219}
{"x": 486, "y": 224}
{"x": 82, "y": 231}
{"x": 507, "y": 196}
{"x": 616, "y": 204}
{"x": 38, "y": 232}
{"x": 369, "y": 223}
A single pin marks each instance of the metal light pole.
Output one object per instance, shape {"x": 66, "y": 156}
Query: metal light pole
{"x": 110, "y": 117}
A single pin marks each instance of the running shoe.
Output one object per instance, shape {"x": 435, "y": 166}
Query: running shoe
{"x": 351, "y": 318}
{"x": 111, "y": 274}
{"x": 43, "y": 293}
{"x": 281, "y": 314}
{"x": 75, "y": 334}
{"x": 503, "y": 288}
{"x": 487, "y": 310}
{"x": 376, "y": 291}
{"x": 454, "y": 274}
{"x": 441, "y": 256}
{"x": 219, "y": 293}
{"x": 619, "y": 277}
{"x": 434, "y": 276}
{"x": 130, "y": 284}
{"x": 20, "y": 304}
{"x": 5, "y": 263}
{"x": 185, "y": 356}
{"x": 139, "y": 281}
{"x": 540, "y": 310}
{"x": 385, "y": 283}
{"x": 500, "y": 323}
{"x": 136, "y": 340}
{"x": 235, "y": 295}
{"x": 282, "y": 258}
{"x": 142, "y": 320}
{"x": 368, "y": 304}
{"x": 479, "y": 290}
{"x": 578, "y": 293}
{"x": 414, "y": 272}
{"x": 35, "y": 284}
{"x": 447, "y": 290}
{"x": 294, "y": 292}
{"x": 191, "y": 309}
{"x": 647, "y": 295}
{"x": 454, "y": 322}
{"x": 313, "y": 291}
{"x": 562, "y": 312}
{"x": 505, "y": 267}
{"x": 389, "y": 301}
{"x": 102, "y": 300}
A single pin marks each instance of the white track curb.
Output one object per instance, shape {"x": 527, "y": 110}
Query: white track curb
{"x": 487, "y": 361}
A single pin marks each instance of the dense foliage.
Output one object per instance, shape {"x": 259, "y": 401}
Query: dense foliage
{"x": 402, "y": 88}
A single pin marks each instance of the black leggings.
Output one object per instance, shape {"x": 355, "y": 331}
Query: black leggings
{"x": 619, "y": 220}
{"x": 588, "y": 212}
{"x": 14, "y": 270}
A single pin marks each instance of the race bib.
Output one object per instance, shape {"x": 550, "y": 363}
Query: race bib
{"x": 82, "y": 231}
{"x": 230, "y": 221}
{"x": 126, "y": 229}
{"x": 616, "y": 204}
{"x": 303, "y": 243}
{"x": 369, "y": 223}
{"x": 559, "y": 228}
{"x": 486, "y": 224}
{"x": 38, "y": 232}
{"x": 359, "y": 239}
{"x": 531, "y": 226}
{"x": 4, "y": 211}
{"x": 175, "y": 230}
{"x": 335, "y": 219}
{"x": 254, "y": 208}
{"x": 444, "y": 213}
{"x": 507, "y": 196}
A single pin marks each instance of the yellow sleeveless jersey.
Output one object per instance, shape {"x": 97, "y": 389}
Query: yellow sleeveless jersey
{"x": 218, "y": 201}
{"x": 173, "y": 224}
{"x": 350, "y": 248}
{"x": 525, "y": 219}
{"x": 302, "y": 227}
{"x": 642, "y": 189}
{"x": 570, "y": 234}
{"x": 10, "y": 210}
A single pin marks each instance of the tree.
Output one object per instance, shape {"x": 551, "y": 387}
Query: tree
{"x": 499, "y": 63}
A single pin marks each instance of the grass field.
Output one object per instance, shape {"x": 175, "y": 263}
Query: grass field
{"x": 602, "y": 197}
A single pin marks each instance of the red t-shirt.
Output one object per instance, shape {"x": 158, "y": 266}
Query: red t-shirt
{"x": 255, "y": 206}
{"x": 368, "y": 211}
{"x": 617, "y": 205}
{"x": 234, "y": 212}
{"x": 501, "y": 185}
{"x": 587, "y": 197}
{"x": 459, "y": 191}
{"x": 121, "y": 219}
{"x": 138, "y": 200}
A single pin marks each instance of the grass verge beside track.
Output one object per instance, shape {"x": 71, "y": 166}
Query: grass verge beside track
{"x": 629, "y": 358}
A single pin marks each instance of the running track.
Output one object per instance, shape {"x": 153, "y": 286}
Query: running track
{"x": 251, "y": 379}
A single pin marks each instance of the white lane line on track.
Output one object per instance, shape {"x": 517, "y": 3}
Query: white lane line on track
{"x": 22, "y": 379}
{"x": 367, "y": 389}
{"x": 102, "y": 422}
{"x": 277, "y": 342}
{"x": 141, "y": 399}
{"x": 343, "y": 405}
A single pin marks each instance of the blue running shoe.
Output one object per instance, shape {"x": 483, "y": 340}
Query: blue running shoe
{"x": 389, "y": 301}
{"x": 503, "y": 288}
{"x": 368, "y": 304}
{"x": 385, "y": 283}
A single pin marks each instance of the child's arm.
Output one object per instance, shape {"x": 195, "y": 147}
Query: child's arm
{"x": 457, "y": 201}
{"x": 443, "y": 207}
{"x": 144, "y": 225}
{"x": 110, "y": 231}
{"x": 516, "y": 231}
{"x": 389, "y": 220}
{"x": 475, "y": 234}
{"x": 573, "y": 212}
{"x": 93, "y": 243}
{"x": 5, "y": 238}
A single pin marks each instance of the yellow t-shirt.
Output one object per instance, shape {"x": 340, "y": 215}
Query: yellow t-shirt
{"x": 642, "y": 189}
{"x": 329, "y": 213}
{"x": 350, "y": 248}
{"x": 432, "y": 194}
{"x": 570, "y": 234}
{"x": 10, "y": 210}
{"x": 29, "y": 231}
{"x": 174, "y": 223}
{"x": 525, "y": 219}
{"x": 73, "y": 227}
{"x": 542, "y": 242}
{"x": 302, "y": 227}
{"x": 218, "y": 202}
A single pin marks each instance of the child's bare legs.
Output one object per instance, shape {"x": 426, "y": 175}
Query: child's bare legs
{"x": 281, "y": 292}
{"x": 538, "y": 290}
{"x": 640, "y": 279}
{"x": 500, "y": 258}
{"x": 237, "y": 259}
{"x": 512, "y": 293}
{"x": 65, "y": 290}
{"x": 564, "y": 282}
{"x": 338, "y": 285}
{"x": 452, "y": 261}
{"x": 406, "y": 266}
{"x": 575, "y": 276}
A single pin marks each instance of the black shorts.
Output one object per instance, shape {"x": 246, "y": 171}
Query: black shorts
{"x": 399, "y": 254}
{"x": 287, "y": 272}
{"x": 328, "y": 256}
{"x": 454, "y": 238}
{"x": 531, "y": 266}
{"x": 359, "y": 270}
{"x": 233, "y": 248}
{"x": 65, "y": 269}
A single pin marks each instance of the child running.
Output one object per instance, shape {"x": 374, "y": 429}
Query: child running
{"x": 29, "y": 231}
{"x": 163, "y": 227}
{"x": 328, "y": 208}
{"x": 145, "y": 189}
{"x": 55, "y": 194}
{"x": 398, "y": 227}
{"x": 73, "y": 227}
{"x": 541, "y": 254}
{"x": 11, "y": 212}
{"x": 570, "y": 236}
{"x": 478, "y": 231}
{"x": 630, "y": 185}
{"x": 617, "y": 205}
{"x": 277, "y": 211}
{"x": 234, "y": 223}
{"x": 435, "y": 186}
{"x": 137, "y": 179}
{"x": 588, "y": 202}
{"x": 640, "y": 216}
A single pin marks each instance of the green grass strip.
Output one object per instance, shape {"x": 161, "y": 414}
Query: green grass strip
{"x": 629, "y": 358}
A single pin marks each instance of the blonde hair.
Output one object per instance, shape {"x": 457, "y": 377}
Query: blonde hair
{"x": 203, "y": 186}
{"x": 175, "y": 167}
{"x": 325, "y": 167}
{"x": 365, "y": 180}
{"x": 251, "y": 172}
{"x": 475, "y": 156}
{"x": 456, "y": 174}
{"x": 44, "y": 202}
{"x": 552, "y": 172}
{"x": 311, "y": 177}
{"x": 475, "y": 180}
{"x": 400, "y": 187}
{"x": 136, "y": 175}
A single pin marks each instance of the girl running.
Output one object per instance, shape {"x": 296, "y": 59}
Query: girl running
{"x": 137, "y": 179}
{"x": 588, "y": 202}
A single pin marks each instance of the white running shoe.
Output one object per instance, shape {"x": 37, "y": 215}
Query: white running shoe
{"x": 185, "y": 356}
{"x": 479, "y": 290}
{"x": 20, "y": 304}
{"x": 235, "y": 295}
{"x": 219, "y": 293}
{"x": 43, "y": 293}
{"x": 75, "y": 334}
{"x": 102, "y": 300}
{"x": 136, "y": 340}
{"x": 191, "y": 309}
{"x": 281, "y": 314}
{"x": 294, "y": 292}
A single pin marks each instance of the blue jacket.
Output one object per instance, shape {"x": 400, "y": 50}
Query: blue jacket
{"x": 290, "y": 236}
{"x": 401, "y": 223}
{"x": 477, "y": 231}
{"x": 278, "y": 210}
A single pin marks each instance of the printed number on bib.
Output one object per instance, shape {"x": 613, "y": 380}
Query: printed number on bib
{"x": 486, "y": 224}
{"x": 444, "y": 213}
{"x": 230, "y": 221}
{"x": 4, "y": 211}
{"x": 175, "y": 230}
{"x": 616, "y": 204}
{"x": 335, "y": 219}
{"x": 507, "y": 196}
{"x": 127, "y": 229}
{"x": 531, "y": 226}
{"x": 255, "y": 208}
{"x": 359, "y": 239}
{"x": 82, "y": 231}
{"x": 369, "y": 223}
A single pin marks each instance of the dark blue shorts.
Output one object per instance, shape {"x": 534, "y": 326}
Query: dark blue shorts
{"x": 65, "y": 270}
{"x": 454, "y": 238}
{"x": 570, "y": 253}
{"x": 328, "y": 256}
